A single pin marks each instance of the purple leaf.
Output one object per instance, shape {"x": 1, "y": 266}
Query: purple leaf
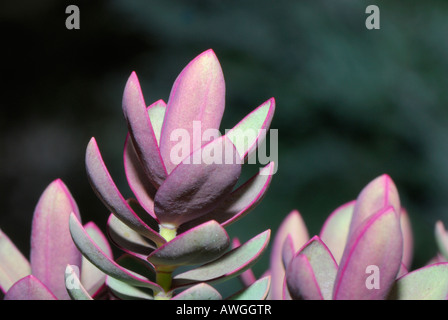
{"x": 198, "y": 94}
{"x": 442, "y": 239}
{"x": 141, "y": 131}
{"x": 52, "y": 247}
{"x": 92, "y": 278}
{"x": 251, "y": 131}
{"x": 311, "y": 273}
{"x": 378, "y": 194}
{"x": 74, "y": 286}
{"x": 142, "y": 188}
{"x": 197, "y": 185}
{"x": 374, "y": 249}
{"x": 288, "y": 251}
{"x": 240, "y": 202}
{"x": 100, "y": 259}
{"x": 336, "y": 228}
{"x": 29, "y": 288}
{"x": 127, "y": 239}
{"x": 408, "y": 238}
{"x": 199, "y": 245}
{"x": 228, "y": 266}
{"x": 13, "y": 265}
{"x": 292, "y": 225}
{"x": 107, "y": 191}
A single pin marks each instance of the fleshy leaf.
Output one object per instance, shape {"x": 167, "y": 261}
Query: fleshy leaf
{"x": 13, "y": 265}
{"x": 292, "y": 225}
{"x": 288, "y": 251}
{"x": 257, "y": 291}
{"x": 29, "y": 288}
{"x": 197, "y": 185}
{"x": 228, "y": 266}
{"x": 378, "y": 194}
{"x": 240, "y": 202}
{"x": 96, "y": 256}
{"x": 247, "y": 277}
{"x": 408, "y": 238}
{"x": 142, "y": 188}
{"x": 201, "y": 291}
{"x": 142, "y": 133}
{"x": 442, "y": 239}
{"x": 426, "y": 283}
{"x": 156, "y": 112}
{"x": 197, "y": 97}
{"x": 335, "y": 230}
{"x": 91, "y": 277}
{"x": 311, "y": 273}
{"x": 75, "y": 289}
{"x": 127, "y": 239}
{"x": 107, "y": 191}
{"x": 52, "y": 247}
{"x": 251, "y": 131}
{"x": 126, "y": 291}
{"x": 373, "y": 252}
{"x": 199, "y": 245}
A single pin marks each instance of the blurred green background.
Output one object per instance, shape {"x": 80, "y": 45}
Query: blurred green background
{"x": 352, "y": 104}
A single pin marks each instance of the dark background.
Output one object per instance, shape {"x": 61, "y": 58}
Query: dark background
{"x": 352, "y": 104}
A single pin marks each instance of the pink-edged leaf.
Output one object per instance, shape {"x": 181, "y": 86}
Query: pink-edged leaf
{"x": 127, "y": 239}
{"x": 13, "y": 264}
{"x": 125, "y": 291}
{"x": 198, "y": 185}
{"x": 96, "y": 256}
{"x": 240, "y": 202}
{"x": 201, "y": 291}
{"x": 75, "y": 289}
{"x": 292, "y": 225}
{"x": 29, "y": 288}
{"x": 52, "y": 247}
{"x": 109, "y": 194}
{"x": 335, "y": 230}
{"x": 408, "y": 238}
{"x": 288, "y": 251}
{"x": 312, "y": 272}
{"x": 257, "y": 291}
{"x": 198, "y": 95}
{"x": 142, "y": 188}
{"x": 403, "y": 270}
{"x": 199, "y": 245}
{"x": 378, "y": 194}
{"x": 92, "y": 278}
{"x": 426, "y": 283}
{"x": 285, "y": 292}
{"x": 251, "y": 131}
{"x": 156, "y": 112}
{"x": 141, "y": 131}
{"x": 247, "y": 277}
{"x": 372, "y": 258}
{"x": 442, "y": 239}
{"x": 230, "y": 265}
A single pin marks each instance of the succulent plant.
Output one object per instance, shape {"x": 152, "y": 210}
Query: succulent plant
{"x": 52, "y": 253}
{"x": 183, "y": 174}
{"x": 363, "y": 252}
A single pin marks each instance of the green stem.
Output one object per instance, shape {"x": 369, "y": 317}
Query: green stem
{"x": 164, "y": 275}
{"x": 168, "y": 232}
{"x": 164, "y": 279}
